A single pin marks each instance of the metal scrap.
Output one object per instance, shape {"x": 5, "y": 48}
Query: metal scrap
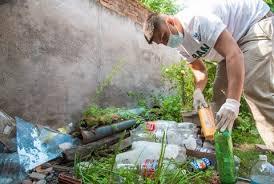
{"x": 66, "y": 179}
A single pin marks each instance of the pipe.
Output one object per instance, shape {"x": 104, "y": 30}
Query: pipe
{"x": 104, "y": 131}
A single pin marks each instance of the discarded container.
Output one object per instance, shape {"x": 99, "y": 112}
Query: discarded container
{"x": 7, "y": 133}
{"x": 149, "y": 167}
{"x": 140, "y": 134}
{"x": 160, "y": 124}
{"x": 154, "y": 149}
{"x": 152, "y": 131}
{"x": 200, "y": 164}
{"x": 187, "y": 125}
{"x": 203, "y": 149}
{"x": 184, "y": 135}
{"x": 207, "y": 122}
{"x": 225, "y": 158}
{"x": 7, "y": 125}
{"x": 11, "y": 171}
{"x": 262, "y": 172}
{"x": 142, "y": 150}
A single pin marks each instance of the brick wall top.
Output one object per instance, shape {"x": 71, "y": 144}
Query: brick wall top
{"x": 130, "y": 8}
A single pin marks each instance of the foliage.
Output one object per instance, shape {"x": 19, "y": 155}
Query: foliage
{"x": 271, "y": 4}
{"x": 171, "y": 109}
{"x": 181, "y": 80}
{"x": 161, "y": 6}
{"x": 107, "y": 81}
{"x": 245, "y": 130}
{"x": 180, "y": 77}
{"x": 96, "y": 116}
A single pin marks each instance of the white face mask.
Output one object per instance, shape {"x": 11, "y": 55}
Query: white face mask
{"x": 175, "y": 41}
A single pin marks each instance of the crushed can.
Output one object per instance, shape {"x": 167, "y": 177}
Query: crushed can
{"x": 200, "y": 164}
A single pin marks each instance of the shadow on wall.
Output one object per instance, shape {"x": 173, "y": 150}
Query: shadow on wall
{"x": 54, "y": 55}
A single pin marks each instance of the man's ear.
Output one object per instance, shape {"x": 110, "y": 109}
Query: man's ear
{"x": 170, "y": 20}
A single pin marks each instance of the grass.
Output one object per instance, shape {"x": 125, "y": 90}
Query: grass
{"x": 99, "y": 171}
{"x": 95, "y": 116}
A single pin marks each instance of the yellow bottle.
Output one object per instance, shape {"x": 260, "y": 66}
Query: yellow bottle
{"x": 207, "y": 122}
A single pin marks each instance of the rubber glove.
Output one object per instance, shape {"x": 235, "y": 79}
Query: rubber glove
{"x": 198, "y": 99}
{"x": 227, "y": 114}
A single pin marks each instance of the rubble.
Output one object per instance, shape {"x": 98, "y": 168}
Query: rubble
{"x": 37, "y": 176}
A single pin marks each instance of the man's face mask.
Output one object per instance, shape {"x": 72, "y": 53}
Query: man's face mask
{"x": 175, "y": 40}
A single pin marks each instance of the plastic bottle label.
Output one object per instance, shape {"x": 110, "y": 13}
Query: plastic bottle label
{"x": 149, "y": 167}
{"x": 151, "y": 126}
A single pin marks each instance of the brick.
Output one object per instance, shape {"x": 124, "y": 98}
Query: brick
{"x": 130, "y": 8}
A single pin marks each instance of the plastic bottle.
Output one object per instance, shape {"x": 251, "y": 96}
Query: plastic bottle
{"x": 11, "y": 172}
{"x": 207, "y": 122}
{"x": 142, "y": 150}
{"x": 224, "y": 157}
{"x": 262, "y": 172}
{"x": 160, "y": 124}
{"x": 152, "y": 131}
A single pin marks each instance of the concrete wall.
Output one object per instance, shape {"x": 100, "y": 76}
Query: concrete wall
{"x": 55, "y": 53}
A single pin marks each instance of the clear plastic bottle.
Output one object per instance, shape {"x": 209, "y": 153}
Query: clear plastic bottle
{"x": 152, "y": 131}
{"x": 262, "y": 172}
{"x": 11, "y": 172}
{"x": 160, "y": 124}
{"x": 142, "y": 150}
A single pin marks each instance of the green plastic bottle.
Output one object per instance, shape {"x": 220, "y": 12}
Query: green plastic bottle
{"x": 225, "y": 158}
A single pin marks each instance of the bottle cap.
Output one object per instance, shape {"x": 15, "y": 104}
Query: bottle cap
{"x": 263, "y": 157}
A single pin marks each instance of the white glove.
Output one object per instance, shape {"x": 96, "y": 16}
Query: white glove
{"x": 227, "y": 114}
{"x": 198, "y": 99}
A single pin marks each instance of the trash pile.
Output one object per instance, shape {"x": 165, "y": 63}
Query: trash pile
{"x": 149, "y": 139}
{"x": 24, "y": 146}
{"x": 32, "y": 153}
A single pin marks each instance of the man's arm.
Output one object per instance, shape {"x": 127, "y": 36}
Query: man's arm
{"x": 200, "y": 77}
{"x": 200, "y": 74}
{"x": 228, "y": 48}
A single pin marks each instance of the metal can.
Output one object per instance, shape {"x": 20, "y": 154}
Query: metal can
{"x": 200, "y": 164}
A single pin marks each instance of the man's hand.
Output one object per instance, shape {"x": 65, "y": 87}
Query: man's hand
{"x": 227, "y": 115}
{"x": 198, "y": 99}
{"x": 200, "y": 77}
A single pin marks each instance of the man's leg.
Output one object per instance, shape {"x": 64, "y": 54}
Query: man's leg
{"x": 219, "y": 86}
{"x": 259, "y": 77}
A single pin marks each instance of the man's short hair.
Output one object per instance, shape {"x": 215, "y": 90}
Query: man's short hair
{"x": 151, "y": 25}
